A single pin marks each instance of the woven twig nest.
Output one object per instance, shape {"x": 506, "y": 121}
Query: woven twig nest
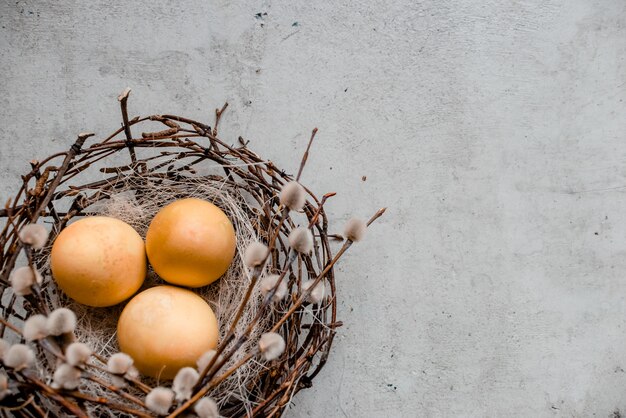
{"x": 276, "y": 308}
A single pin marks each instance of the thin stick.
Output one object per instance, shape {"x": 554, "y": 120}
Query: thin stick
{"x": 51, "y": 393}
{"x": 218, "y": 116}
{"x": 113, "y": 405}
{"x": 116, "y": 390}
{"x": 123, "y": 99}
{"x": 305, "y": 156}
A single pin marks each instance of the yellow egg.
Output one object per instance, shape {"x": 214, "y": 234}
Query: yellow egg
{"x": 99, "y": 261}
{"x": 190, "y": 242}
{"x": 166, "y": 328}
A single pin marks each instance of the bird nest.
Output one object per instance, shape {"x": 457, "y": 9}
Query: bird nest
{"x": 276, "y": 305}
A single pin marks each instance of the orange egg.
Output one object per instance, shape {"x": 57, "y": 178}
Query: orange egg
{"x": 166, "y": 328}
{"x": 190, "y": 242}
{"x": 98, "y": 261}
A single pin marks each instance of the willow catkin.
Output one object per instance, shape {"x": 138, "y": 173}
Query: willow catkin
{"x": 183, "y": 383}
{"x": 77, "y": 354}
{"x": 119, "y": 363}
{"x": 23, "y": 278}
{"x": 19, "y": 357}
{"x": 35, "y": 328}
{"x": 205, "y": 359}
{"x": 255, "y": 255}
{"x": 354, "y": 230}
{"x": 316, "y": 294}
{"x": 293, "y": 196}
{"x": 66, "y": 376}
{"x": 271, "y": 345}
{"x": 34, "y": 235}
{"x": 301, "y": 240}
{"x": 61, "y": 321}
{"x": 160, "y": 400}
{"x": 206, "y": 408}
{"x": 269, "y": 282}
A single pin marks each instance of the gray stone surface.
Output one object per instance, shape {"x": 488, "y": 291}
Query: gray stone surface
{"x": 494, "y": 131}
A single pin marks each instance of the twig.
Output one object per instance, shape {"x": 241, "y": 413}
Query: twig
{"x": 123, "y": 99}
{"x": 218, "y": 117}
{"x": 51, "y": 393}
{"x": 305, "y": 156}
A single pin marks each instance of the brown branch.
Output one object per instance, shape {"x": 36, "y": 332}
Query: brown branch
{"x": 53, "y": 394}
{"x": 123, "y": 99}
{"x": 218, "y": 117}
{"x": 104, "y": 401}
{"x": 305, "y": 156}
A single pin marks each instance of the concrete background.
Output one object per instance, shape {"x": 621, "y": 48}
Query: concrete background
{"x": 495, "y": 132}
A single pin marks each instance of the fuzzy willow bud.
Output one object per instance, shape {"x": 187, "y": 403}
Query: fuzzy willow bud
{"x": 355, "y": 229}
{"x": 271, "y": 345}
{"x": 77, "y": 354}
{"x": 269, "y": 282}
{"x": 19, "y": 357}
{"x": 316, "y": 294}
{"x": 34, "y": 235}
{"x": 255, "y": 255}
{"x": 119, "y": 363}
{"x": 183, "y": 384}
{"x": 293, "y": 196}
{"x": 66, "y": 376}
{"x": 35, "y": 328}
{"x": 301, "y": 240}
{"x": 160, "y": 400}
{"x": 206, "y": 408}
{"x": 61, "y": 321}
{"x": 205, "y": 359}
{"x": 22, "y": 279}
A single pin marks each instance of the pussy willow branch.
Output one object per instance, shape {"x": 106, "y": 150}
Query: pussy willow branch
{"x": 137, "y": 383}
{"x": 347, "y": 244}
{"x": 257, "y": 271}
{"x": 268, "y": 298}
{"x": 204, "y": 390}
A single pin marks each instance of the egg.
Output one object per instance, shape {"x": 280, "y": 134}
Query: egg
{"x": 166, "y": 328}
{"x": 98, "y": 261}
{"x": 190, "y": 242}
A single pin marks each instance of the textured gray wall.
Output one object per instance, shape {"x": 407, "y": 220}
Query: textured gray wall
{"x": 495, "y": 132}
